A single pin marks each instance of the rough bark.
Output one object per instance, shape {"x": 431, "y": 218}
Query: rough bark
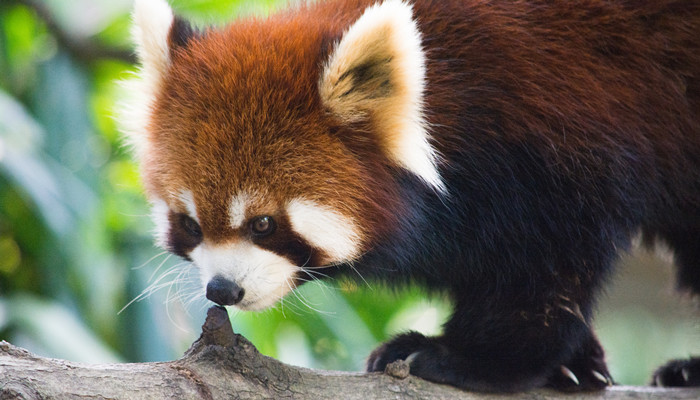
{"x": 224, "y": 365}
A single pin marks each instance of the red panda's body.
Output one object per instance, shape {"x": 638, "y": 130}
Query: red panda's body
{"x": 502, "y": 152}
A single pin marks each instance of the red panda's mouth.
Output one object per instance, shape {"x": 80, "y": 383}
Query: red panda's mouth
{"x": 244, "y": 275}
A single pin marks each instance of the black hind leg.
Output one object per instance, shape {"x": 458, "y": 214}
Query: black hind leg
{"x": 686, "y": 247}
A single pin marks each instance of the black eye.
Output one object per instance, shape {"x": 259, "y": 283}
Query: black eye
{"x": 190, "y": 226}
{"x": 263, "y": 225}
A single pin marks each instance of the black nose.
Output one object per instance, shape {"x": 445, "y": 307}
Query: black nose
{"x": 224, "y": 292}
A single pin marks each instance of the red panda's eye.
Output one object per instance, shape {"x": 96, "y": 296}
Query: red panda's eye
{"x": 263, "y": 226}
{"x": 191, "y": 226}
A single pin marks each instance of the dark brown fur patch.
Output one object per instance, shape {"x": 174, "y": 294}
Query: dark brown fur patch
{"x": 180, "y": 241}
{"x": 181, "y": 32}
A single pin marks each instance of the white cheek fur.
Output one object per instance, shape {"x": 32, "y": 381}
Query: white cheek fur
{"x": 265, "y": 276}
{"x": 325, "y": 229}
{"x": 159, "y": 215}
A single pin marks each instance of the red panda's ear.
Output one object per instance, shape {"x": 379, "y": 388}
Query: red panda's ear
{"x": 151, "y": 31}
{"x": 376, "y": 72}
{"x": 156, "y": 33}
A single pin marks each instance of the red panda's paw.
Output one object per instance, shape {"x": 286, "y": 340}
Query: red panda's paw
{"x": 432, "y": 359}
{"x": 678, "y": 373}
{"x": 586, "y": 372}
{"x": 570, "y": 378}
{"x": 401, "y": 347}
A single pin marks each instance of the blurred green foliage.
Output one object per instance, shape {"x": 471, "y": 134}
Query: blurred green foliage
{"x": 75, "y": 243}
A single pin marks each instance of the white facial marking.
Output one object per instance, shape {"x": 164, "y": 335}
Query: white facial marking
{"x": 237, "y": 210}
{"x": 187, "y": 199}
{"x": 265, "y": 276}
{"x": 159, "y": 214}
{"x": 326, "y": 229}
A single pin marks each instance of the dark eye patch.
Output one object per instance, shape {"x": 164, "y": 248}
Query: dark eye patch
{"x": 184, "y": 234}
{"x": 287, "y": 243}
{"x": 191, "y": 227}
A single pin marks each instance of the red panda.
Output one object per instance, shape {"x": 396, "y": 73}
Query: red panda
{"x": 500, "y": 152}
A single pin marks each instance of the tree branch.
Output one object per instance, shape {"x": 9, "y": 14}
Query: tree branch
{"x": 221, "y": 364}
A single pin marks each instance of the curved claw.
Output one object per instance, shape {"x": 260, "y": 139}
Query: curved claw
{"x": 601, "y": 377}
{"x": 567, "y": 372}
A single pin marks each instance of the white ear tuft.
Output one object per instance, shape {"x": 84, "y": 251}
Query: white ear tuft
{"x": 377, "y": 73}
{"x": 152, "y": 20}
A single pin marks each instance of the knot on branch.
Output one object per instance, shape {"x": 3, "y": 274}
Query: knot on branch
{"x": 217, "y": 331}
{"x": 398, "y": 369}
{"x": 217, "y": 328}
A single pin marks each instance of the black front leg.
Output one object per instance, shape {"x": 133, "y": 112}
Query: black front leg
{"x": 504, "y": 351}
{"x": 431, "y": 358}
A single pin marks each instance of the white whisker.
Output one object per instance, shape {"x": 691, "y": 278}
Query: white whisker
{"x": 176, "y": 291}
{"x": 352, "y": 266}
{"x": 305, "y": 301}
{"x": 313, "y": 274}
{"x": 165, "y": 279}
{"x": 153, "y": 258}
{"x": 150, "y": 278}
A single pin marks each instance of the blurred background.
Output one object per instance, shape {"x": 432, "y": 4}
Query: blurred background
{"x": 81, "y": 280}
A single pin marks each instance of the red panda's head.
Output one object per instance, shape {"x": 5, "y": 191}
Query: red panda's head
{"x": 268, "y": 148}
